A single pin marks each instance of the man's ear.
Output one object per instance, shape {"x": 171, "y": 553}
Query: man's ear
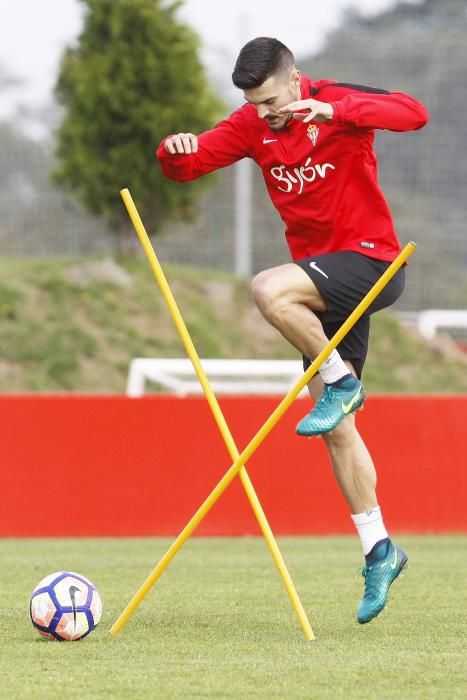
{"x": 295, "y": 76}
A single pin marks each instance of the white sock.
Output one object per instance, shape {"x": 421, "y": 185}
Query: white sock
{"x": 333, "y": 368}
{"x": 370, "y": 528}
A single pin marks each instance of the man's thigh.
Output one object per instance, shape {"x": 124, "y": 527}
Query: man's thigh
{"x": 290, "y": 283}
{"x": 345, "y": 277}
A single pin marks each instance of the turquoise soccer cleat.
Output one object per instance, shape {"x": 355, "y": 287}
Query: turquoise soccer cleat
{"x": 383, "y": 565}
{"x": 335, "y": 404}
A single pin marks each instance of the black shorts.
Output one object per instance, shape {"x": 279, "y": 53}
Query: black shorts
{"x": 343, "y": 279}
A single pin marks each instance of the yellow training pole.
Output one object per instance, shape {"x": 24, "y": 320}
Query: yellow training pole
{"x": 259, "y": 437}
{"x": 216, "y": 410}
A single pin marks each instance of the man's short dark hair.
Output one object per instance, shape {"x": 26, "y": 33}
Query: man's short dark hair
{"x": 259, "y": 59}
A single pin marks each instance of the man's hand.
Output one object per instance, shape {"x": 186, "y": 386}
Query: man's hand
{"x": 309, "y": 110}
{"x": 181, "y": 143}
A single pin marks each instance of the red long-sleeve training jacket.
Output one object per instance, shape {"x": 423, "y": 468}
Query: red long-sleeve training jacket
{"x": 322, "y": 178}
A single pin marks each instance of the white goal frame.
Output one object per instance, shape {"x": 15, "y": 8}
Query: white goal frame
{"x": 231, "y": 377}
{"x": 430, "y": 320}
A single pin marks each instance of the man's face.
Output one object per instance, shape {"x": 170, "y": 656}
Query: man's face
{"x": 276, "y": 91}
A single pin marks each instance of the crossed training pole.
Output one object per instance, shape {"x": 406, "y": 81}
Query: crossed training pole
{"x": 216, "y": 411}
{"x": 241, "y": 459}
{"x": 218, "y": 416}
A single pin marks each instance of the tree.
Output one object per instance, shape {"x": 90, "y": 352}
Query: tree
{"x": 133, "y": 78}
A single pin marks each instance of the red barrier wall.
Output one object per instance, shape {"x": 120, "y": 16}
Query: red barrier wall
{"x": 118, "y": 466}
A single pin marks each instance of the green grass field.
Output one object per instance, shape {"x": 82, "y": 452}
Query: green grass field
{"x": 219, "y": 624}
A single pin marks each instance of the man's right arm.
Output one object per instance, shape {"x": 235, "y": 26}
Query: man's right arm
{"x": 186, "y": 157}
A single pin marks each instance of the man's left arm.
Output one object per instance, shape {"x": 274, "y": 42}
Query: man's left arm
{"x": 363, "y": 108}
{"x": 395, "y": 111}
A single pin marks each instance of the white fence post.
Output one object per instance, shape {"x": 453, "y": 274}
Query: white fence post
{"x": 243, "y": 189}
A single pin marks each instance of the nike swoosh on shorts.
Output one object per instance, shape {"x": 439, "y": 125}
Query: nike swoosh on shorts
{"x": 318, "y": 269}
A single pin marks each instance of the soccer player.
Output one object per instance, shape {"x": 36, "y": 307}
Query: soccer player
{"x": 313, "y": 141}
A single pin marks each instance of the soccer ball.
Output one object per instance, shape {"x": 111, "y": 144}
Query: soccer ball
{"x": 65, "y": 606}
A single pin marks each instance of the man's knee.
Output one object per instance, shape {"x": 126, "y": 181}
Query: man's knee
{"x": 267, "y": 293}
{"x": 274, "y": 289}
